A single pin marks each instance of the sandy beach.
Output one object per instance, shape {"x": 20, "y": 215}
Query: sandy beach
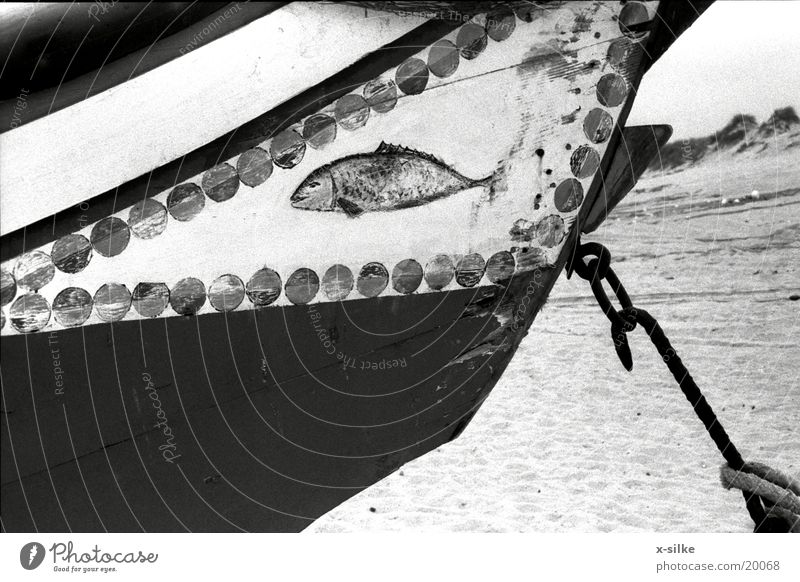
{"x": 569, "y": 441}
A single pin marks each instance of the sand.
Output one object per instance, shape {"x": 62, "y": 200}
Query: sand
{"x": 569, "y": 441}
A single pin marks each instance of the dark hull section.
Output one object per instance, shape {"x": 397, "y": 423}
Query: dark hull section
{"x": 254, "y": 420}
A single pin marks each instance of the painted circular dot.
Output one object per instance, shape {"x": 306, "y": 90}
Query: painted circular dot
{"x": 611, "y": 90}
{"x": 319, "y": 130}
{"x": 72, "y": 306}
{"x": 469, "y": 270}
{"x": 220, "y": 183}
{"x": 443, "y": 58}
{"x": 34, "y": 270}
{"x": 584, "y": 162}
{"x": 372, "y": 280}
{"x": 71, "y": 253}
{"x": 186, "y": 201}
{"x": 147, "y": 218}
{"x": 226, "y": 293}
{"x": 302, "y": 286}
{"x": 568, "y": 195}
{"x": 381, "y": 94}
{"x": 287, "y": 149}
{"x": 412, "y": 76}
{"x": 337, "y": 282}
{"x": 264, "y": 287}
{"x": 351, "y": 112}
{"x": 550, "y": 231}
{"x": 150, "y": 299}
{"x": 112, "y": 301}
{"x": 471, "y": 40}
{"x": 619, "y": 53}
{"x": 406, "y": 276}
{"x": 29, "y": 313}
{"x": 633, "y": 20}
{"x": 254, "y": 167}
{"x": 110, "y": 236}
{"x": 500, "y": 267}
{"x": 187, "y": 296}
{"x": 598, "y": 125}
{"x": 501, "y": 24}
{"x": 439, "y": 272}
{"x": 8, "y": 287}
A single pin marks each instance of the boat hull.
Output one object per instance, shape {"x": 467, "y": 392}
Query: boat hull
{"x": 240, "y": 340}
{"x": 256, "y": 420}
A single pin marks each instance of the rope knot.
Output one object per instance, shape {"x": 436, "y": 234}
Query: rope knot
{"x": 778, "y": 492}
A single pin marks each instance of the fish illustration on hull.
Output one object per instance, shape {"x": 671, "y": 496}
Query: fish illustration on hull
{"x": 390, "y": 178}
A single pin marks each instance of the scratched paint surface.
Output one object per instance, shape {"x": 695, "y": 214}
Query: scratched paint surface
{"x": 518, "y": 105}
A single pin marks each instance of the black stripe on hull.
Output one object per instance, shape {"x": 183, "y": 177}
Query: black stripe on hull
{"x": 273, "y": 426}
{"x": 167, "y": 31}
{"x": 46, "y": 46}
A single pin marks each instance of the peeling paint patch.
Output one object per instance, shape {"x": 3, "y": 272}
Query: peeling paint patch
{"x": 550, "y": 57}
{"x": 483, "y": 305}
{"x": 583, "y": 23}
{"x": 531, "y": 258}
{"x": 570, "y": 117}
{"x": 522, "y": 231}
{"x": 487, "y": 349}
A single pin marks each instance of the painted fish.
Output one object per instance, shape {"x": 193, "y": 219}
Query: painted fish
{"x": 390, "y": 178}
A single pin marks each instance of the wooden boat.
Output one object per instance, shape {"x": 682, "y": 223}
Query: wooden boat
{"x": 252, "y": 281}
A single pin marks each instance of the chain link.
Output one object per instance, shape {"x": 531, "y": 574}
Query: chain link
{"x": 623, "y": 322}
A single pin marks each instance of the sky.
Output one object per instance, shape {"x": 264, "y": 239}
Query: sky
{"x": 738, "y": 57}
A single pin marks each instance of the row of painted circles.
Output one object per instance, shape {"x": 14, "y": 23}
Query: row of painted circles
{"x": 633, "y": 20}
{"x": 73, "y": 306}
{"x": 35, "y": 269}
{"x": 148, "y": 218}
{"x": 612, "y": 88}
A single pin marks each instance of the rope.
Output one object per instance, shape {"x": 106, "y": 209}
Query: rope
{"x": 778, "y": 491}
{"x": 770, "y": 496}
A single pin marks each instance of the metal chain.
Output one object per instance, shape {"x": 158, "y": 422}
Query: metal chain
{"x": 624, "y": 321}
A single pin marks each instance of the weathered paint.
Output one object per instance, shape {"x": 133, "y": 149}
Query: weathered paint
{"x": 499, "y": 121}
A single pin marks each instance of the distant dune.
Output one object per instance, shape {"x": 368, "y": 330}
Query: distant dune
{"x": 741, "y": 134}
